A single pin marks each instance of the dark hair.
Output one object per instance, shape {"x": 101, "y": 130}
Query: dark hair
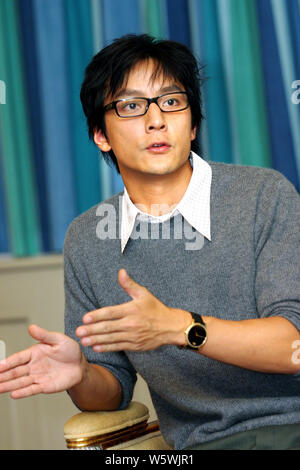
{"x": 110, "y": 68}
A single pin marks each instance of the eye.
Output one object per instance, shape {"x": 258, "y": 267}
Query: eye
{"x": 131, "y": 106}
{"x": 176, "y": 101}
{"x": 170, "y": 102}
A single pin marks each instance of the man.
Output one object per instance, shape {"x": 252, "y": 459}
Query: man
{"x": 190, "y": 278}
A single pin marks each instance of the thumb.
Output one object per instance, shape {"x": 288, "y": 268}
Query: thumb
{"x": 132, "y": 288}
{"x": 43, "y": 335}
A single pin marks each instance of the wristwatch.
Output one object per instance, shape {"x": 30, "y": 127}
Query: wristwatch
{"x": 195, "y": 334}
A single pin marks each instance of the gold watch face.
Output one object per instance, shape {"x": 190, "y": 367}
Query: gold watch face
{"x": 197, "y": 335}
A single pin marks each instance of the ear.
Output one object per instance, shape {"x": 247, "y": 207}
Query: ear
{"x": 101, "y": 141}
{"x": 194, "y": 133}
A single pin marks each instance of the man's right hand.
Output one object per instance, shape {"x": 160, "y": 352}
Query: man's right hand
{"x": 53, "y": 365}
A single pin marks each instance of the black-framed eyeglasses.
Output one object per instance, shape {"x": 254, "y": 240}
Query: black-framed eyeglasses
{"x": 132, "y": 107}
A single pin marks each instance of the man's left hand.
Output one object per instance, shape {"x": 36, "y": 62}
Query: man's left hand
{"x": 142, "y": 324}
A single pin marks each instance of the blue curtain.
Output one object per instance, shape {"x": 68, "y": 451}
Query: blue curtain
{"x": 55, "y": 116}
{"x": 50, "y": 171}
{"x": 217, "y": 107}
{"x": 283, "y": 154}
{"x": 120, "y": 18}
{"x": 80, "y": 49}
{"x": 178, "y": 20}
{"x": 29, "y": 45}
{"x": 285, "y": 48}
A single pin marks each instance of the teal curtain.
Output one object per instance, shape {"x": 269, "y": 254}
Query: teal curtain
{"x": 50, "y": 171}
{"x": 154, "y": 18}
{"x": 20, "y": 190}
{"x": 4, "y": 243}
{"x": 250, "y": 105}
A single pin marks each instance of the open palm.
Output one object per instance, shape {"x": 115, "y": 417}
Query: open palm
{"x": 52, "y": 365}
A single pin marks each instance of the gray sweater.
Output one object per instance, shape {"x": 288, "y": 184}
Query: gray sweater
{"x": 249, "y": 269}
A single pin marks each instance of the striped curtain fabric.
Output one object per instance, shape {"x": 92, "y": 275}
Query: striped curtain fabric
{"x": 49, "y": 170}
{"x": 4, "y": 244}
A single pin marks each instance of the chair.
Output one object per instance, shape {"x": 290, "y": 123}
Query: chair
{"x": 114, "y": 430}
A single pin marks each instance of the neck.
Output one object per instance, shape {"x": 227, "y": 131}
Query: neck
{"x": 158, "y": 194}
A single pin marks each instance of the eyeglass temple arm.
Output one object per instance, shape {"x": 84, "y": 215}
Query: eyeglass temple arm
{"x": 109, "y": 106}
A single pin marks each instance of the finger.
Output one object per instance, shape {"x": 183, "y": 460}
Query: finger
{"x": 17, "y": 359}
{"x": 43, "y": 335}
{"x": 104, "y": 339}
{"x": 16, "y": 384}
{"x": 22, "y": 357}
{"x": 113, "y": 312}
{"x": 133, "y": 289}
{"x": 100, "y": 327}
{"x": 124, "y": 346}
{"x": 29, "y": 391}
{"x": 14, "y": 373}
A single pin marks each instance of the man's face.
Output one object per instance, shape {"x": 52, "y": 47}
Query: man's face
{"x": 133, "y": 139}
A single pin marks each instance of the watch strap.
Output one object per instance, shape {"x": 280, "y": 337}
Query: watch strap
{"x": 197, "y": 318}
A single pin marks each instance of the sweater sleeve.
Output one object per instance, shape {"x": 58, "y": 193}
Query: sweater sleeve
{"x": 80, "y": 299}
{"x": 277, "y": 250}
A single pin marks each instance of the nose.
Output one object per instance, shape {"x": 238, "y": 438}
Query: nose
{"x": 155, "y": 119}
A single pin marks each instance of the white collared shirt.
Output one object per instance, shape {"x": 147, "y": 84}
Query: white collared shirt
{"x": 194, "y": 205}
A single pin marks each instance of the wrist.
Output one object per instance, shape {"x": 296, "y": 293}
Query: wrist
{"x": 82, "y": 374}
{"x": 84, "y": 369}
{"x": 184, "y": 320}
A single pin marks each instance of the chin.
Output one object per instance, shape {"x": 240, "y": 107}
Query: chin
{"x": 164, "y": 170}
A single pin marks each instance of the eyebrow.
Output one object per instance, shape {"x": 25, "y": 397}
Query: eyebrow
{"x": 126, "y": 92}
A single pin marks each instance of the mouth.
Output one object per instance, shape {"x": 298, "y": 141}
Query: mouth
{"x": 159, "y": 147}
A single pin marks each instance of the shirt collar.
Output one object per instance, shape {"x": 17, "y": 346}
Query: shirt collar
{"x": 194, "y": 205}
